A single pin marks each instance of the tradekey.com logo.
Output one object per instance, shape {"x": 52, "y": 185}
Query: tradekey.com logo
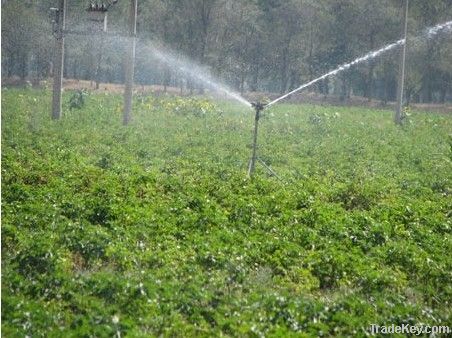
{"x": 410, "y": 329}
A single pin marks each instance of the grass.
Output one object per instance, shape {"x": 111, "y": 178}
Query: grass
{"x": 153, "y": 229}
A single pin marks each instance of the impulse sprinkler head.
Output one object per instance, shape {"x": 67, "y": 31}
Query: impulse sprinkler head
{"x": 258, "y": 106}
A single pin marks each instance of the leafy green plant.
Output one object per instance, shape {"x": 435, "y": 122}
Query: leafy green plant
{"x": 77, "y": 99}
{"x": 154, "y": 230}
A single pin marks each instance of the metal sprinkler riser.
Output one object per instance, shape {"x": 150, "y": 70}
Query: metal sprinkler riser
{"x": 258, "y": 107}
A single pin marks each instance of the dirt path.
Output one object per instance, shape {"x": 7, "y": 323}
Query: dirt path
{"x": 304, "y": 97}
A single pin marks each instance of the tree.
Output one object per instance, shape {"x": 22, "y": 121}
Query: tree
{"x": 258, "y": 45}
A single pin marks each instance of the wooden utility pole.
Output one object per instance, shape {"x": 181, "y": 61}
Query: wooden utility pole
{"x": 130, "y": 61}
{"x": 100, "y": 52}
{"x": 58, "y": 65}
{"x": 99, "y": 62}
{"x": 400, "y": 88}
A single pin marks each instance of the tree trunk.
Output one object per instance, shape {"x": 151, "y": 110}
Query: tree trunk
{"x": 283, "y": 74}
{"x": 370, "y": 73}
{"x": 326, "y": 87}
{"x": 344, "y": 87}
{"x": 99, "y": 62}
{"x": 190, "y": 86}
{"x": 427, "y": 96}
{"x": 75, "y": 69}
{"x": 389, "y": 90}
{"x": 311, "y": 50}
{"x": 408, "y": 95}
{"x": 294, "y": 80}
{"x": 23, "y": 71}
{"x": 242, "y": 81}
{"x": 255, "y": 78}
{"x": 166, "y": 78}
{"x": 442, "y": 97}
{"x": 10, "y": 67}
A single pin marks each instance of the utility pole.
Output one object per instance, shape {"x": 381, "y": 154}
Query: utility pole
{"x": 60, "y": 18}
{"x": 100, "y": 51}
{"x": 400, "y": 89}
{"x": 99, "y": 61}
{"x": 130, "y": 61}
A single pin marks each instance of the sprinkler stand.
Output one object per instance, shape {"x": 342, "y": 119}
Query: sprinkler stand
{"x": 258, "y": 107}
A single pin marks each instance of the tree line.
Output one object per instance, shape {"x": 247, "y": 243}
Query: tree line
{"x": 252, "y": 45}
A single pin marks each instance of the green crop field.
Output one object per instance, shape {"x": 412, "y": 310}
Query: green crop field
{"x": 154, "y": 229}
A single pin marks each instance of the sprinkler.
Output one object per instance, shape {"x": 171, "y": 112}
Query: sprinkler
{"x": 258, "y": 107}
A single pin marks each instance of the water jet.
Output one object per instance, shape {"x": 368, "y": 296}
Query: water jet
{"x": 259, "y": 107}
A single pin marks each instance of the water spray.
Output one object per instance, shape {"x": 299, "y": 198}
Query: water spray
{"x": 259, "y": 107}
{"x": 194, "y": 71}
{"x": 429, "y": 33}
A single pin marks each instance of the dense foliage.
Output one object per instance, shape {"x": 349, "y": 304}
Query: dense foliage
{"x": 253, "y": 45}
{"x": 153, "y": 229}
